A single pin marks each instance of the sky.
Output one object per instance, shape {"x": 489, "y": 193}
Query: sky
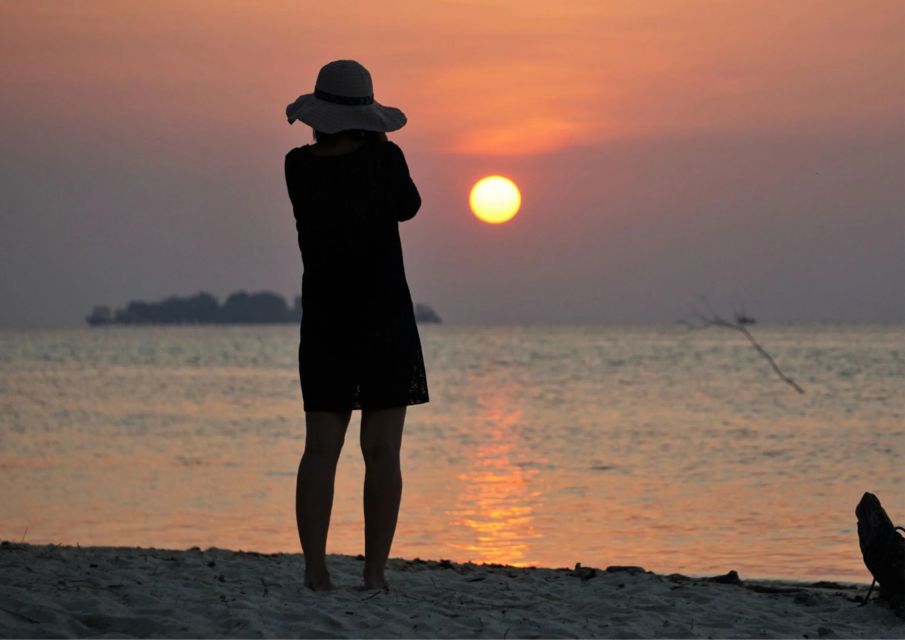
{"x": 749, "y": 152}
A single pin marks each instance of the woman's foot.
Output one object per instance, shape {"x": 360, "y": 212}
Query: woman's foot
{"x": 319, "y": 581}
{"x": 374, "y": 579}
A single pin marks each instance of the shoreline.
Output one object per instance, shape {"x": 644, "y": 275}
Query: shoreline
{"x": 130, "y": 591}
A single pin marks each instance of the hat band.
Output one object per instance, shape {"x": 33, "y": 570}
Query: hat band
{"x": 332, "y": 97}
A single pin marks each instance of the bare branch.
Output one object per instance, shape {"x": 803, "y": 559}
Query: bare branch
{"x": 716, "y": 320}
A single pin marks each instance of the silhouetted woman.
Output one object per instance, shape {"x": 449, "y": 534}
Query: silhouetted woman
{"x": 359, "y": 346}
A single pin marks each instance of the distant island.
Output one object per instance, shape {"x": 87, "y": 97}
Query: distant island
{"x": 204, "y": 308}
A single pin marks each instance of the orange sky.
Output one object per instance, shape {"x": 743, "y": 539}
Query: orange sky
{"x": 475, "y": 77}
{"x": 187, "y": 100}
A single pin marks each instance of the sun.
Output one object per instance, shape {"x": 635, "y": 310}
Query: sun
{"x": 495, "y": 199}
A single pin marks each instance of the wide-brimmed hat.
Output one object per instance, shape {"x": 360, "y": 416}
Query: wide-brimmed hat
{"x": 343, "y": 99}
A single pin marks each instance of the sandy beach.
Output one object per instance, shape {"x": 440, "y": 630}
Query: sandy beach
{"x": 65, "y": 591}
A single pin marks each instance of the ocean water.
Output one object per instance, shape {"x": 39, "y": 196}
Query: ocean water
{"x": 676, "y": 450}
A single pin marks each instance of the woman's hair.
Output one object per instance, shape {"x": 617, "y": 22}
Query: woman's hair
{"x": 356, "y": 134}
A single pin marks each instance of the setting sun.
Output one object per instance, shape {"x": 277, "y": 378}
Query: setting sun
{"x": 495, "y": 199}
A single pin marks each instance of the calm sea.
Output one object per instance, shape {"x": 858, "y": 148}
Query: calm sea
{"x": 676, "y": 450}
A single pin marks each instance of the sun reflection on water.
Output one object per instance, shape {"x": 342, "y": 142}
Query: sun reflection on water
{"x": 498, "y": 499}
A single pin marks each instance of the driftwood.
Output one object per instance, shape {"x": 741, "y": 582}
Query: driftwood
{"x": 883, "y": 549}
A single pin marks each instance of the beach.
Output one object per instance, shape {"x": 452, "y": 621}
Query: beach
{"x": 582, "y": 315}
{"x": 65, "y": 591}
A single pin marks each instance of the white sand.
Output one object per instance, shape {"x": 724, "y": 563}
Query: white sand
{"x": 120, "y": 592}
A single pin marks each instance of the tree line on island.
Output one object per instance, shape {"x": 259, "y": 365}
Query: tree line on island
{"x": 204, "y": 308}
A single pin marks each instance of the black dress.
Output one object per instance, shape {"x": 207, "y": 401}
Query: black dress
{"x": 359, "y": 346}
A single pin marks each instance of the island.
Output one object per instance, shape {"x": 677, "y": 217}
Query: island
{"x": 263, "y": 307}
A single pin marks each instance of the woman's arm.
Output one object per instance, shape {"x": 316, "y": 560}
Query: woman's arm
{"x": 292, "y": 189}
{"x": 287, "y": 171}
{"x": 402, "y": 197}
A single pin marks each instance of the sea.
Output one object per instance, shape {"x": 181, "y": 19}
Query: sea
{"x": 673, "y": 449}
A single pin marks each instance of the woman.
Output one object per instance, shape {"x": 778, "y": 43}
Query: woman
{"x": 359, "y": 346}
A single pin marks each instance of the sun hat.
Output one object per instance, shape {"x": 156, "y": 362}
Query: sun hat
{"x": 343, "y": 99}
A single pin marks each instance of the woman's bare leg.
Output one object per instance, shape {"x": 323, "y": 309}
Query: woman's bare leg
{"x": 325, "y": 434}
{"x": 381, "y": 439}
